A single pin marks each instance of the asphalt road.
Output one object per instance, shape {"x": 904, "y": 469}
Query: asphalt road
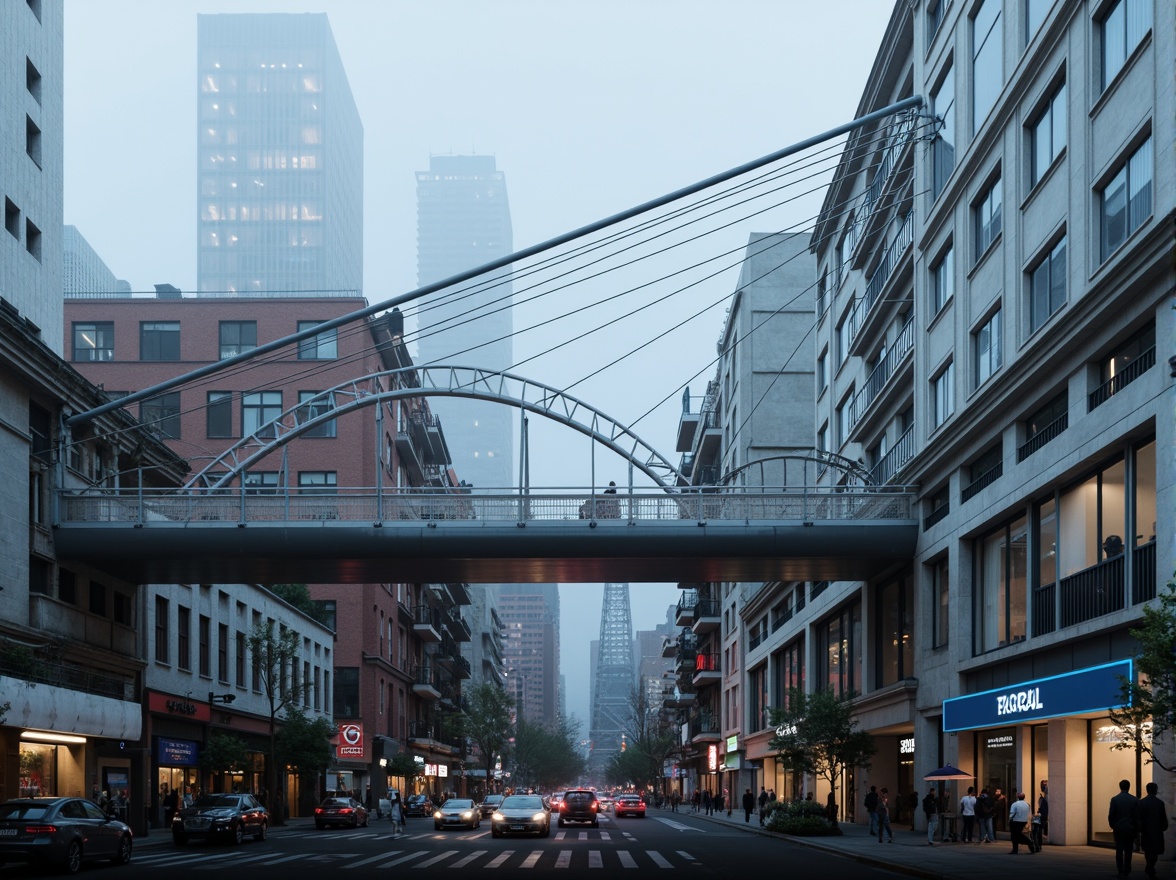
{"x": 677, "y": 843}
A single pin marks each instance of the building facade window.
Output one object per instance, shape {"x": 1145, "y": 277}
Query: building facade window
{"x": 346, "y": 702}
{"x": 322, "y": 347}
{"x": 218, "y": 414}
{"x": 1047, "y": 285}
{"x": 1047, "y": 135}
{"x": 205, "y": 646}
{"x": 986, "y": 343}
{"x": 943, "y": 144}
{"x": 935, "y": 11}
{"x": 311, "y": 405}
{"x": 986, "y": 218}
{"x": 237, "y": 337}
{"x": 162, "y": 414}
{"x": 183, "y": 637}
{"x": 317, "y": 482}
{"x": 942, "y": 280}
{"x": 240, "y": 658}
{"x": 943, "y": 395}
{"x": 222, "y": 653}
{"x": 1001, "y": 583}
{"x": 1126, "y": 200}
{"x": 159, "y": 340}
{"x": 262, "y": 482}
{"x": 259, "y": 409}
{"x": 1035, "y": 12}
{"x": 987, "y": 61}
{"x": 839, "y": 651}
{"x": 162, "y": 631}
{"x": 823, "y": 370}
{"x": 1121, "y": 29}
{"x": 894, "y": 622}
{"x": 93, "y": 341}
{"x": 940, "y": 603}
{"x": 787, "y": 673}
{"x": 757, "y": 714}
{"x": 844, "y": 420}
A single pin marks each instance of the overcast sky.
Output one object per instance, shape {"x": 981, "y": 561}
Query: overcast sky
{"x": 589, "y": 107}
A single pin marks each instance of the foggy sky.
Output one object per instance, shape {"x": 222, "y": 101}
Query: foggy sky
{"x": 589, "y": 108}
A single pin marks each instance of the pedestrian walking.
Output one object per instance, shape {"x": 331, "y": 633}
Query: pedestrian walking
{"x": 707, "y": 803}
{"x": 871, "y": 804}
{"x": 985, "y": 809}
{"x": 968, "y": 813}
{"x": 931, "y": 811}
{"x": 1039, "y": 826}
{"x": 1123, "y": 818}
{"x": 1018, "y": 819}
{"x": 883, "y": 810}
{"x": 396, "y": 812}
{"x": 695, "y": 800}
{"x": 1153, "y": 822}
{"x": 748, "y": 805}
{"x": 763, "y": 804}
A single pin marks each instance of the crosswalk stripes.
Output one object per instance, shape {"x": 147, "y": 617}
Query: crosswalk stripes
{"x": 425, "y": 856}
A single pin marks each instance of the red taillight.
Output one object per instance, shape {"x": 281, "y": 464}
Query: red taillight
{"x": 317, "y": 810}
{"x": 40, "y": 829}
{"x": 641, "y": 805}
{"x": 345, "y": 810}
{"x": 594, "y": 806}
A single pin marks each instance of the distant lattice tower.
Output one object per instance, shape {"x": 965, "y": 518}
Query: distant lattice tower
{"x": 614, "y": 675}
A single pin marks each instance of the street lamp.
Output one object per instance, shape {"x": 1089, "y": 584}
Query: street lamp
{"x": 221, "y": 698}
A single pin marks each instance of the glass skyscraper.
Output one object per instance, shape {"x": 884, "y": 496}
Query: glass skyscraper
{"x": 463, "y": 221}
{"x": 279, "y": 159}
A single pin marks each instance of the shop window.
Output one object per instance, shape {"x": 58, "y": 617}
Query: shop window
{"x": 1000, "y": 586}
{"x": 38, "y": 769}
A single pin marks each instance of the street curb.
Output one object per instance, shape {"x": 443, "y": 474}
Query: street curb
{"x": 816, "y": 844}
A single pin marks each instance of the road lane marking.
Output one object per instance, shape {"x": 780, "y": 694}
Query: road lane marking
{"x": 604, "y": 835}
{"x": 686, "y": 856}
{"x": 564, "y": 859}
{"x": 657, "y": 859}
{"x": 285, "y": 859}
{"x": 370, "y": 859}
{"x": 404, "y": 858}
{"x": 529, "y": 861}
{"x": 627, "y": 861}
{"x": 440, "y": 857}
{"x": 461, "y": 863}
{"x": 594, "y": 859}
{"x": 497, "y": 861}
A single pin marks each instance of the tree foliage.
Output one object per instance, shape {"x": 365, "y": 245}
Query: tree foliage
{"x": 298, "y": 595}
{"x": 816, "y": 734}
{"x": 305, "y": 743}
{"x": 546, "y": 757}
{"x": 1149, "y": 702}
{"x": 649, "y": 741}
{"x": 487, "y": 721}
{"x": 223, "y": 751}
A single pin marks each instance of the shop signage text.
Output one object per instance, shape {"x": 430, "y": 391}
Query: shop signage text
{"x": 1095, "y": 689}
{"x": 712, "y": 757}
{"x": 350, "y": 741}
{"x": 177, "y": 752}
{"x": 906, "y": 745}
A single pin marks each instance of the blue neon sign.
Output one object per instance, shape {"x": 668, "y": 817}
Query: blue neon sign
{"x": 1095, "y": 689}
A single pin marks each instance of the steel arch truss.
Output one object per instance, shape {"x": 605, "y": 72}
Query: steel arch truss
{"x": 435, "y": 381}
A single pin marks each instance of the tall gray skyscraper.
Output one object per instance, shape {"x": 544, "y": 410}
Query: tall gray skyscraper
{"x": 85, "y": 271}
{"x": 463, "y": 221}
{"x": 279, "y": 158}
{"x": 530, "y": 614}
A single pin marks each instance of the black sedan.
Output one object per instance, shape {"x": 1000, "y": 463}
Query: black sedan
{"x": 418, "y": 805}
{"x": 340, "y": 811}
{"x": 521, "y": 814}
{"x": 61, "y": 833}
{"x": 221, "y": 817}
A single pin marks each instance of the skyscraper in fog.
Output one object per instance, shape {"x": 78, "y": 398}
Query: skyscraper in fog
{"x": 279, "y": 158}
{"x": 530, "y": 615}
{"x": 463, "y": 221}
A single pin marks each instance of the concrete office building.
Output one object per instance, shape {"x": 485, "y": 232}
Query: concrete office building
{"x": 992, "y": 286}
{"x": 84, "y": 271}
{"x": 31, "y": 106}
{"x": 530, "y": 617}
{"x": 279, "y": 167}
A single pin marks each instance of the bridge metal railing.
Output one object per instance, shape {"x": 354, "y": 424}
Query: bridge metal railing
{"x": 145, "y": 507}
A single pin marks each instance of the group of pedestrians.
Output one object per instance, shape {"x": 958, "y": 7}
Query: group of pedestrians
{"x": 1133, "y": 819}
{"x": 877, "y": 806}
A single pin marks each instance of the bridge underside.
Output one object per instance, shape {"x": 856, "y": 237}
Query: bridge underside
{"x": 537, "y": 552}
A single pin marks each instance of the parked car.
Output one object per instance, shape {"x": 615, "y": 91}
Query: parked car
{"x": 221, "y": 817}
{"x": 61, "y": 832}
{"x": 579, "y": 805}
{"x": 457, "y": 812}
{"x": 521, "y": 814}
{"x": 340, "y": 811}
{"x": 489, "y": 804}
{"x": 419, "y": 805}
{"x": 630, "y": 805}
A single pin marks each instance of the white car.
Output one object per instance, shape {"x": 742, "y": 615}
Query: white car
{"x": 457, "y": 812}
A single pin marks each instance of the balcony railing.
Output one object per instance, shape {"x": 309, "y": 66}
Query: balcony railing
{"x": 899, "y": 135}
{"x": 937, "y": 515}
{"x": 980, "y": 483}
{"x": 1050, "y": 432}
{"x": 893, "y": 461}
{"x": 881, "y": 374}
{"x": 1093, "y": 592}
{"x": 886, "y": 267}
{"x": 1115, "y": 384}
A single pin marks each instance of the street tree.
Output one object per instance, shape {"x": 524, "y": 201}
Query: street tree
{"x": 298, "y": 595}
{"x": 305, "y": 744}
{"x": 224, "y": 751}
{"x": 488, "y": 721}
{"x": 275, "y": 663}
{"x": 649, "y": 741}
{"x": 816, "y": 734}
{"x": 1148, "y": 710}
{"x": 546, "y": 756}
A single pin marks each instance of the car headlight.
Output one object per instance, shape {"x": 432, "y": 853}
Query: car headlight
{"x": 539, "y": 817}
{"x": 467, "y": 815}
{"x": 498, "y": 817}
{"x": 437, "y": 815}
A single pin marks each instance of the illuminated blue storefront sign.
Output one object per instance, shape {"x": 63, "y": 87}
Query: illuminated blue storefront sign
{"x": 177, "y": 752}
{"x": 1086, "y": 690}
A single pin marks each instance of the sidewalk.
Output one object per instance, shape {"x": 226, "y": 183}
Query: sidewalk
{"x": 909, "y": 854}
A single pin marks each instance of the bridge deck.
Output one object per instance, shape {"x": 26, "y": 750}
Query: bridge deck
{"x": 364, "y": 536}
